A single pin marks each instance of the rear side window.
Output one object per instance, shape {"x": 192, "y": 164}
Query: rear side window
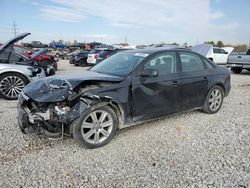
{"x": 208, "y": 64}
{"x": 217, "y": 51}
{"x": 191, "y": 62}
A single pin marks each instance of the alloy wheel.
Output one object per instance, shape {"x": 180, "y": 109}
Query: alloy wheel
{"x": 215, "y": 100}
{"x": 11, "y": 86}
{"x": 97, "y": 127}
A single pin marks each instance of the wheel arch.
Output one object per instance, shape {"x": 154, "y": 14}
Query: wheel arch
{"x": 15, "y": 72}
{"x": 216, "y": 84}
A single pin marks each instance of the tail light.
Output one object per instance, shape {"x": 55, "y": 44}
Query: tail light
{"x": 96, "y": 56}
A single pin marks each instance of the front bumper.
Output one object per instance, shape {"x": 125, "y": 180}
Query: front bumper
{"x": 44, "y": 120}
{"x": 42, "y": 74}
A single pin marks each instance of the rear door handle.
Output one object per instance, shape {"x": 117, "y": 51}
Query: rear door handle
{"x": 205, "y": 78}
{"x": 175, "y": 83}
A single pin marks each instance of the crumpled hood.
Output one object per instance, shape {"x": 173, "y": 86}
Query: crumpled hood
{"x": 58, "y": 88}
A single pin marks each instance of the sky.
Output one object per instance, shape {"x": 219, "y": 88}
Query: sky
{"x": 138, "y": 21}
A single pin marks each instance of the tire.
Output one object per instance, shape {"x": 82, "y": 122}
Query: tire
{"x": 93, "y": 134}
{"x": 83, "y": 63}
{"x": 215, "y": 96}
{"x": 15, "y": 80}
{"x": 236, "y": 70}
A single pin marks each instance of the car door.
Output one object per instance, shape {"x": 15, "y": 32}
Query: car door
{"x": 224, "y": 56}
{"x": 156, "y": 96}
{"x": 193, "y": 80}
{"x": 217, "y": 56}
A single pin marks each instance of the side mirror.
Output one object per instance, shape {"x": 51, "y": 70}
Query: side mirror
{"x": 226, "y": 52}
{"x": 150, "y": 73}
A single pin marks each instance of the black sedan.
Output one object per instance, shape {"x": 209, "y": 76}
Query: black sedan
{"x": 126, "y": 89}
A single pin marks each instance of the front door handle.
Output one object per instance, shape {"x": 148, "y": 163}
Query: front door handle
{"x": 205, "y": 78}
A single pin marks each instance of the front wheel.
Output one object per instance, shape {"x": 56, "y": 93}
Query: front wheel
{"x": 213, "y": 100}
{"x": 95, "y": 128}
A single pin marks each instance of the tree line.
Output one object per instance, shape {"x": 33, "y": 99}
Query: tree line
{"x": 237, "y": 48}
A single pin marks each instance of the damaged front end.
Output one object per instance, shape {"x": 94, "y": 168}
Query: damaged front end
{"x": 49, "y": 107}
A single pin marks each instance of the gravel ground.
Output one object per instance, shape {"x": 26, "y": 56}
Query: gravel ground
{"x": 189, "y": 149}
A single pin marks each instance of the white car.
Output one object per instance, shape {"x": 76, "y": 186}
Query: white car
{"x": 218, "y": 55}
{"x": 93, "y": 55}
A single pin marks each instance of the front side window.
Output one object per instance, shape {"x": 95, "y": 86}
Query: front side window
{"x": 191, "y": 62}
{"x": 20, "y": 50}
{"x": 217, "y": 51}
{"x": 164, "y": 63}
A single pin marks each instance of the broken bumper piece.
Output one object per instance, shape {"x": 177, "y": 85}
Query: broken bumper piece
{"x": 52, "y": 121}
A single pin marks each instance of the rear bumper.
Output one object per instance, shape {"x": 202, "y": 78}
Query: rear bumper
{"x": 238, "y": 65}
{"x": 91, "y": 61}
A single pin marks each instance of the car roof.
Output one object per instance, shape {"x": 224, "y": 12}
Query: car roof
{"x": 158, "y": 49}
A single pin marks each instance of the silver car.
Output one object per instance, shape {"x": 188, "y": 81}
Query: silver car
{"x": 13, "y": 78}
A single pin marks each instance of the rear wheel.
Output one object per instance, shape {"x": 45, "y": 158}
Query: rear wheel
{"x": 11, "y": 85}
{"x": 95, "y": 128}
{"x": 83, "y": 62}
{"x": 236, "y": 70}
{"x": 213, "y": 100}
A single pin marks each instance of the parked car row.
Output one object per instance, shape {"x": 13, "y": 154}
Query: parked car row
{"x": 93, "y": 57}
{"x": 20, "y": 65}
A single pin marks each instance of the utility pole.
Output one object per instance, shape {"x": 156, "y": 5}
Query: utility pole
{"x": 14, "y": 28}
{"x": 126, "y": 39}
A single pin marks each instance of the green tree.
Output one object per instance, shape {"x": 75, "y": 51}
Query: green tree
{"x": 210, "y": 42}
{"x": 61, "y": 41}
{"x": 220, "y": 44}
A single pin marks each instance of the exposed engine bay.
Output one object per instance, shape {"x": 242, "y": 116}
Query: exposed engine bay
{"x": 48, "y": 107}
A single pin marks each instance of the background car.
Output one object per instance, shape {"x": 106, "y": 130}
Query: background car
{"x": 107, "y": 53}
{"x": 9, "y": 56}
{"x": 239, "y": 62}
{"x": 79, "y": 58}
{"x": 43, "y": 58}
{"x": 13, "y": 78}
{"x": 93, "y": 55}
{"x": 57, "y": 45}
{"x": 35, "y": 44}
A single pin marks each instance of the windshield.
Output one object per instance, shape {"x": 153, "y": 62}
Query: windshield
{"x": 120, "y": 64}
